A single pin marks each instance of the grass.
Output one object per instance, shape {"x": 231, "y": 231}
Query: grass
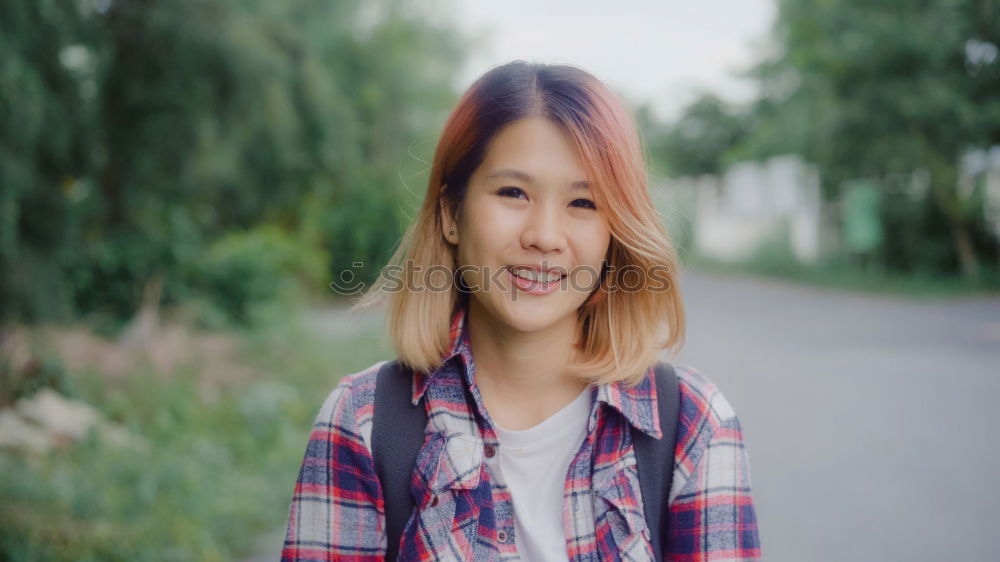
{"x": 217, "y": 471}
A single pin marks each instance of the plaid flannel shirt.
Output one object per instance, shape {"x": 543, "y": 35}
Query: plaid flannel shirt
{"x": 463, "y": 507}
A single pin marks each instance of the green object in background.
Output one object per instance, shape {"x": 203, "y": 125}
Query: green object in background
{"x": 862, "y": 226}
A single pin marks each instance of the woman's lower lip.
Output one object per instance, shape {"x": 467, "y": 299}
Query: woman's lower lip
{"x": 533, "y": 287}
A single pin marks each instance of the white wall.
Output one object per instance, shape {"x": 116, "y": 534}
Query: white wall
{"x": 733, "y": 215}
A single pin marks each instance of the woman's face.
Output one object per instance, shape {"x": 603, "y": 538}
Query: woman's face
{"x": 528, "y": 217}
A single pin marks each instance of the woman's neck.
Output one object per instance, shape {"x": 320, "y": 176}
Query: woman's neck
{"x": 522, "y": 376}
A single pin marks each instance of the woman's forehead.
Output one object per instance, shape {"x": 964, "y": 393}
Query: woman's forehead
{"x": 534, "y": 150}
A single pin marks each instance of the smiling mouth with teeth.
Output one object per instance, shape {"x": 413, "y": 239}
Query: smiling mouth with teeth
{"x": 535, "y": 276}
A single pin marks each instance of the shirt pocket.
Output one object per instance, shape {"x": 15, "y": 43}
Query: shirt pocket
{"x": 619, "y": 510}
{"x": 448, "y": 476}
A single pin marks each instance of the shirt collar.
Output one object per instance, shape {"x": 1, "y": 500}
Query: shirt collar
{"x": 638, "y": 404}
{"x": 459, "y": 349}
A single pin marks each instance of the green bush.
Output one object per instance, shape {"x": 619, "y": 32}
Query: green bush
{"x": 217, "y": 472}
{"x": 261, "y": 266}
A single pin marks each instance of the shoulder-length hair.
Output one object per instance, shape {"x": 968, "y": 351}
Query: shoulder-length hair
{"x": 635, "y": 312}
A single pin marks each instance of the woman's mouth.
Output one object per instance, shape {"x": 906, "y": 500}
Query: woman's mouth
{"x": 534, "y": 282}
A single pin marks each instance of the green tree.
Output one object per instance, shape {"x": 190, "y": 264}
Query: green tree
{"x": 699, "y": 141}
{"x": 136, "y": 134}
{"x": 868, "y": 89}
{"x": 47, "y": 130}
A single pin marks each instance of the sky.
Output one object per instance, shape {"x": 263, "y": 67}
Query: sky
{"x": 663, "y": 52}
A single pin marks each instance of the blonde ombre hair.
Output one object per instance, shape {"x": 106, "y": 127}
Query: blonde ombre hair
{"x": 621, "y": 333}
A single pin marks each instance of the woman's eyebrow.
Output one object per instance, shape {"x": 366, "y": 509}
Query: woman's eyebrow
{"x": 528, "y": 178}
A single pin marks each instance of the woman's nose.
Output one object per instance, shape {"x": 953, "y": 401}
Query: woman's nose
{"x": 544, "y": 230}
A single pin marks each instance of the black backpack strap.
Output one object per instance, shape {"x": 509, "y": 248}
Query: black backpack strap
{"x": 655, "y": 458}
{"x": 397, "y": 435}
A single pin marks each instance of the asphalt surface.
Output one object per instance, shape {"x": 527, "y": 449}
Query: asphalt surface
{"x": 871, "y": 421}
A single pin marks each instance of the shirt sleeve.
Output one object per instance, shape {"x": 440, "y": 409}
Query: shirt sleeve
{"x": 712, "y": 516}
{"x": 337, "y": 510}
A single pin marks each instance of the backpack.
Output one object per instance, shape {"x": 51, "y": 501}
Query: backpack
{"x": 398, "y": 429}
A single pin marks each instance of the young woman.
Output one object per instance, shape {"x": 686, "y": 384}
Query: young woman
{"x": 535, "y": 366}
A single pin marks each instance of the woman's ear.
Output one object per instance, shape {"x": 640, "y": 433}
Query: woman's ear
{"x": 449, "y": 223}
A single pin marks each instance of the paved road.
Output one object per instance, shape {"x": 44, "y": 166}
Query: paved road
{"x": 872, "y": 422}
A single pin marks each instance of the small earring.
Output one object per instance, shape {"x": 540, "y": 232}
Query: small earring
{"x": 452, "y": 232}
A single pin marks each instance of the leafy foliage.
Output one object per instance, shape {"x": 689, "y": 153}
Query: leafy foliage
{"x": 881, "y": 90}
{"x": 219, "y": 468}
{"x": 700, "y": 140}
{"x": 137, "y": 133}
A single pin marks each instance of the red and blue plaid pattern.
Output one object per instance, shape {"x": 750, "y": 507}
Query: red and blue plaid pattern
{"x": 464, "y": 509}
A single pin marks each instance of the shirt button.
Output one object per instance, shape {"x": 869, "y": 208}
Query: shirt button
{"x": 502, "y": 536}
{"x": 434, "y": 501}
{"x": 490, "y": 451}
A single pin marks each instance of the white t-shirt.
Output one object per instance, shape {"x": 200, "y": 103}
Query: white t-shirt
{"x": 533, "y": 463}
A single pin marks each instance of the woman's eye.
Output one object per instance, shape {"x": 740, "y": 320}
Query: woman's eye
{"x": 519, "y": 193}
{"x": 511, "y": 192}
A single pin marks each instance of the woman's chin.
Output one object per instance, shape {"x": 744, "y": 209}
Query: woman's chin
{"x": 531, "y": 314}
